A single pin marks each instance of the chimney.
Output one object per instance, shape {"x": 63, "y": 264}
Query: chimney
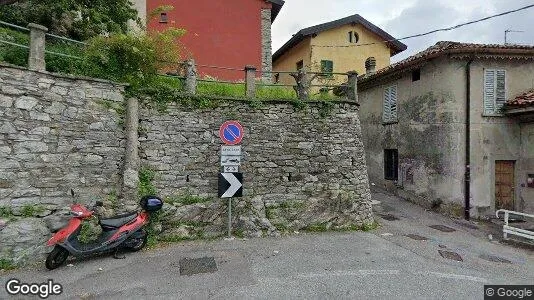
{"x": 370, "y": 66}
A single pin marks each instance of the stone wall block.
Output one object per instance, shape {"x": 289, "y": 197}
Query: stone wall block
{"x": 26, "y": 103}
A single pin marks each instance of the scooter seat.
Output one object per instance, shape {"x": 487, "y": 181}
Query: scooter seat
{"x": 118, "y": 221}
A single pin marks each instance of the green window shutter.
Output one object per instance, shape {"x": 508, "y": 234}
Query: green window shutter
{"x": 500, "y": 91}
{"x": 327, "y": 67}
{"x": 393, "y": 103}
{"x": 489, "y": 91}
{"x": 386, "y": 115}
{"x": 323, "y": 66}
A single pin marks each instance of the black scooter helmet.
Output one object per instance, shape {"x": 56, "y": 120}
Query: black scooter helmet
{"x": 151, "y": 203}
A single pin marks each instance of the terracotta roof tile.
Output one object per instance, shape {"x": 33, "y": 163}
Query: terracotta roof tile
{"x": 525, "y": 99}
{"x": 457, "y": 50}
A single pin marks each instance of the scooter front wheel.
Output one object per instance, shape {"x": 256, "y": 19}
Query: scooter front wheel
{"x": 56, "y": 258}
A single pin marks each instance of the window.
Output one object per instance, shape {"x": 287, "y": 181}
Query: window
{"x": 300, "y": 65}
{"x": 391, "y": 164}
{"x": 327, "y": 67}
{"x": 389, "y": 114}
{"x": 416, "y": 75}
{"x": 163, "y": 18}
{"x": 494, "y": 91}
{"x": 353, "y": 37}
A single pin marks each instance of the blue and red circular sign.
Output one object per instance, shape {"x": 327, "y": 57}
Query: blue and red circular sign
{"x": 231, "y": 132}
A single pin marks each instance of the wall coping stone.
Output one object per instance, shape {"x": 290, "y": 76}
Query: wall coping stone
{"x": 275, "y": 101}
{"x": 66, "y": 76}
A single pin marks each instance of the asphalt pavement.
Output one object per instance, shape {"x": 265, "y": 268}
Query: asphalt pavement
{"x": 404, "y": 258}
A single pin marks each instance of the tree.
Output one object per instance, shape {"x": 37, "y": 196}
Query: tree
{"x": 77, "y": 19}
{"x": 4, "y": 2}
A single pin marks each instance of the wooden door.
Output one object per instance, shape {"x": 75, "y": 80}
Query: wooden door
{"x": 504, "y": 184}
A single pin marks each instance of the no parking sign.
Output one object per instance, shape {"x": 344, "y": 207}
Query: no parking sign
{"x": 231, "y": 132}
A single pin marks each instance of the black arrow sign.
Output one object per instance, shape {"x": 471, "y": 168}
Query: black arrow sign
{"x": 230, "y": 185}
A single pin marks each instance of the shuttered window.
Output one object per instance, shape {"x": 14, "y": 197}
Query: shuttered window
{"x": 494, "y": 91}
{"x": 327, "y": 67}
{"x": 390, "y": 105}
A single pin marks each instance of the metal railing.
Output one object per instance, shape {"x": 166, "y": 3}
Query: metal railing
{"x": 304, "y": 85}
{"x": 507, "y": 229}
{"x": 305, "y": 82}
{"x": 37, "y": 44}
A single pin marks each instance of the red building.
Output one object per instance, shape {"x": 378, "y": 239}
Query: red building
{"x": 228, "y": 34}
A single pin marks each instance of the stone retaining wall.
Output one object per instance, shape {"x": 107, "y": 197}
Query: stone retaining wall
{"x": 302, "y": 168}
{"x": 299, "y": 168}
{"x": 57, "y": 134}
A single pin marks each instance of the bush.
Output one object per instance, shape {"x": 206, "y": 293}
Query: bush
{"x": 14, "y": 54}
{"x": 133, "y": 59}
{"x": 275, "y": 92}
{"x": 221, "y": 89}
{"x": 61, "y": 64}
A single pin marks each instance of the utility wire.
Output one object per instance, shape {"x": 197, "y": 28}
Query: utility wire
{"x": 436, "y": 30}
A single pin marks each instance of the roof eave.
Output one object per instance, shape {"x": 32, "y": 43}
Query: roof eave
{"x": 395, "y": 45}
{"x": 277, "y": 6}
{"x": 455, "y": 53}
{"x": 293, "y": 41}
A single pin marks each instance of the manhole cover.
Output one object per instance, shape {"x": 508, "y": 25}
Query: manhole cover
{"x": 442, "y": 228}
{"x": 494, "y": 258}
{"x": 389, "y": 217}
{"x": 450, "y": 255}
{"x": 416, "y": 237}
{"x": 191, "y": 266}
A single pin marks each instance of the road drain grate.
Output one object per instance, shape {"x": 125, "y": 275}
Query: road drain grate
{"x": 450, "y": 255}
{"x": 389, "y": 217}
{"x": 417, "y": 237}
{"x": 494, "y": 258}
{"x": 442, "y": 228}
{"x": 191, "y": 266}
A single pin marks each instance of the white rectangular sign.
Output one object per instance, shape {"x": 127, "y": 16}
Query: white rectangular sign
{"x": 231, "y": 150}
{"x": 231, "y": 169}
{"x": 230, "y": 160}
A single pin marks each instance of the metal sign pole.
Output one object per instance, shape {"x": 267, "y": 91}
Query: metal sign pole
{"x": 229, "y": 217}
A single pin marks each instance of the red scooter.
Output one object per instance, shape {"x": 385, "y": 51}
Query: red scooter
{"x": 119, "y": 232}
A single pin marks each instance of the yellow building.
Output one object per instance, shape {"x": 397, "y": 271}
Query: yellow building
{"x": 335, "y": 47}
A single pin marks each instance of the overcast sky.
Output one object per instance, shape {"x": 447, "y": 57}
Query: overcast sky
{"x": 407, "y": 17}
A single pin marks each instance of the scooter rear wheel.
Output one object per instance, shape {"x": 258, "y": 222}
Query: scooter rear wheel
{"x": 137, "y": 243}
{"x": 56, "y": 258}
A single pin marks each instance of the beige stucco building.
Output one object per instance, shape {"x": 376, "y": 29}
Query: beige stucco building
{"x": 442, "y": 127}
{"x": 339, "y": 46}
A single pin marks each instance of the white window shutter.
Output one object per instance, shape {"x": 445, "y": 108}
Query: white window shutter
{"x": 393, "y": 103}
{"x": 489, "y": 91}
{"x": 500, "y": 90}
{"x": 386, "y": 110}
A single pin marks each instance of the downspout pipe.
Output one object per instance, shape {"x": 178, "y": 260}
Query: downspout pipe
{"x": 467, "y": 177}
